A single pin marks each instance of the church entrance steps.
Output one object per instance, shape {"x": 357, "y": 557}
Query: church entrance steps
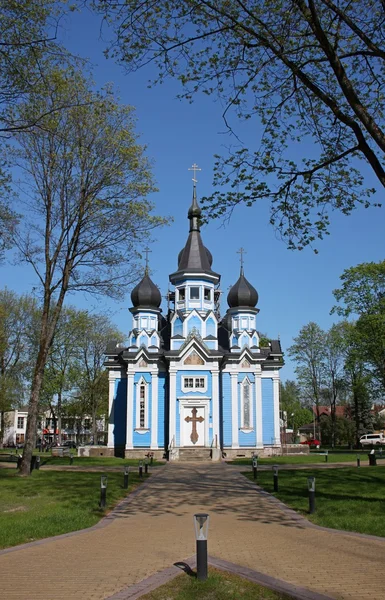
{"x": 195, "y": 454}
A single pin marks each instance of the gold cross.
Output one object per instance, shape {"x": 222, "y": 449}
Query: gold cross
{"x": 194, "y": 437}
{"x": 195, "y": 168}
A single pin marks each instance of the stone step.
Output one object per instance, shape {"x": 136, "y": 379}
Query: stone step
{"x": 194, "y": 454}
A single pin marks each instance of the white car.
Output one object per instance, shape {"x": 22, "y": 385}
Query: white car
{"x": 372, "y": 439}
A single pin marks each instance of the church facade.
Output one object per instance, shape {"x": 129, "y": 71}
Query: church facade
{"x": 192, "y": 383}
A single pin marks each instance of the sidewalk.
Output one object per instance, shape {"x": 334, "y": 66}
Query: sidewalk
{"x": 155, "y": 529}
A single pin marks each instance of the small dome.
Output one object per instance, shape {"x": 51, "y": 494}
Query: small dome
{"x": 242, "y": 294}
{"x": 146, "y": 294}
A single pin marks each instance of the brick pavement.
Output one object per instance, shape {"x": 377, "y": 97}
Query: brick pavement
{"x": 154, "y": 530}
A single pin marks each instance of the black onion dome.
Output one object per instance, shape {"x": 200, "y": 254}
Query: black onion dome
{"x": 242, "y": 294}
{"x": 208, "y": 253}
{"x": 146, "y": 294}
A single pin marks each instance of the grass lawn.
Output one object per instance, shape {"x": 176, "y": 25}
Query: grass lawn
{"x": 313, "y": 457}
{"x": 53, "y": 502}
{"x": 347, "y": 498}
{"x": 83, "y": 461}
{"x": 218, "y": 586}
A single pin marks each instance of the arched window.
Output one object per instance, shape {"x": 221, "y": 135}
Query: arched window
{"x": 246, "y": 405}
{"x": 141, "y": 404}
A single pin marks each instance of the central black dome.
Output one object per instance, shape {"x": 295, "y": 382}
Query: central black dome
{"x": 146, "y": 294}
{"x": 242, "y": 294}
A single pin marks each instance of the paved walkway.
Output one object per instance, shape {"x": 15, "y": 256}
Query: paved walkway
{"x": 155, "y": 530}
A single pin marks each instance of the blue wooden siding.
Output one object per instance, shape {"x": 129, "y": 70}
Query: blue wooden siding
{"x": 120, "y": 411}
{"x": 210, "y": 327}
{"x": 141, "y": 440}
{"x": 226, "y": 410}
{"x": 195, "y": 322}
{"x": 178, "y": 327}
{"x": 161, "y": 408}
{"x": 267, "y": 411}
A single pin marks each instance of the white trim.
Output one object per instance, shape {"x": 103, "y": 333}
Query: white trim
{"x": 215, "y": 404}
{"x": 130, "y": 411}
{"x": 277, "y": 437}
{"x": 258, "y": 410}
{"x": 154, "y": 410}
{"x": 111, "y": 411}
{"x": 172, "y": 400}
{"x": 234, "y": 410}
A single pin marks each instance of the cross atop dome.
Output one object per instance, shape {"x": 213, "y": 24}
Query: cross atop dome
{"x": 194, "y": 168}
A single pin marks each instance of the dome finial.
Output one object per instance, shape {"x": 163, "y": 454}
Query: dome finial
{"x": 194, "y": 212}
{"x": 147, "y": 251}
{"x": 241, "y": 251}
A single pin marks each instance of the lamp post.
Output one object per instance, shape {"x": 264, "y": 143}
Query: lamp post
{"x": 126, "y": 474}
{"x": 201, "y": 527}
{"x": 275, "y": 477}
{"x": 103, "y": 491}
{"x": 311, "y": 488}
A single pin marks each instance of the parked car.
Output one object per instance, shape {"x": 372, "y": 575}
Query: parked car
{"x": 372, "y": 439}
{"x": 69, "y": 444}
{"x": 312, "y": 443}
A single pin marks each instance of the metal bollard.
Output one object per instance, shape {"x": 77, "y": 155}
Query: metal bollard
{"x": 311, "y": 488}
{"x": 326, "y": 456}
{"x": 146, "y": 466}
{"x": 71, "y": 459}
{"x": 37, "y": 464}
{"x": 126, "y": 475}
{"x": 358, "y": 460}
{"x": 103, "y": 491}
{"x": 275, "y": 477}
{"x": 201, "y": 526}
{"x": 140, "y": 468}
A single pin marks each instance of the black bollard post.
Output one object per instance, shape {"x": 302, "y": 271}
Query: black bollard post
{"x": 326, "y": 455}
{"x": 372, "y": 459}
{"x": 358, "y": 460}
{"x": 126, "y": 474}
{"x": 37, "y": 464}
{"x": 140, "y": 468}
{"x": 275, "y": 471}
{"x": 201, "y": 526}
{"x": 151, "y": 459}
{"x": 71, "y": 459}
{"x": 311, "y": 488}
{"x": 146, "y": 466}
{"x": 103, "y": 491}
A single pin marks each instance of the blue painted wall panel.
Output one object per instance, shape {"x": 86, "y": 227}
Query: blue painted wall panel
{"x": 267, "y": 411}
{"x": 120, "y": 411}
{"x": 226, "y": 409}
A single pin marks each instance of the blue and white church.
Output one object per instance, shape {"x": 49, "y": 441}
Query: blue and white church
{"x": 192, "y": 385}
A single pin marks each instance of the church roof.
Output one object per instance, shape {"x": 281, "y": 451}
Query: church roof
{"x": 194, "y": 258}
{"x": 146, "y": 294}
{"x": 242, "y": 293}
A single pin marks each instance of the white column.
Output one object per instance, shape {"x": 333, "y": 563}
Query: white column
{"x": 277, "y": 432}
{"x": 215, "y": 401}
{"x": 258, "y": 410}
{"x": 130, "y": 411}
{"x": 154, "y": 409}
{"x": 172, "y": 398}
{"x": 234, "y": 410}
{"x": 111, "y": 411}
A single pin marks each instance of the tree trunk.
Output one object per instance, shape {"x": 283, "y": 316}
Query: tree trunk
{"x": 59, "y": 416}
{"x": 94, "y": 428}
{"x": 2, "y": 428}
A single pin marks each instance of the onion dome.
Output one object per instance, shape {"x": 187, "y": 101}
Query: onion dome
{"x": 146, "y": 294}
{"x": 242, "y": 294}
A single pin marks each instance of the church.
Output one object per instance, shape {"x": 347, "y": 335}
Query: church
{"x": 193, "y": 385}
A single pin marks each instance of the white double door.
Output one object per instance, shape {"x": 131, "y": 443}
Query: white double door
{"x": 193, "y": 425}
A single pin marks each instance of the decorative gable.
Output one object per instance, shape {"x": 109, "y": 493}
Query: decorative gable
{"x": 245, "y": 364}
{"x": 143, "y": 363}
{"x": 193, "y": 359}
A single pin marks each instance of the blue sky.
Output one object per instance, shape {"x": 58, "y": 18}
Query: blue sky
{"x": 294, "y": 287}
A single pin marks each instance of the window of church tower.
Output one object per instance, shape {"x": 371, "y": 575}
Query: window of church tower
{"x": 142, "y": 408}
{"x": 182, "y": 294}
{"x": 194, "y": 383}
{"x": 194, "y": 293}
{"x": 246, "y": 405}
{"x": 207, "y": 295}
{"x": 141, "y": 405}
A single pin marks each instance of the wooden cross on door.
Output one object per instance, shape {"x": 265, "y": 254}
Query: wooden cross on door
{"x": 194, "y": 420}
